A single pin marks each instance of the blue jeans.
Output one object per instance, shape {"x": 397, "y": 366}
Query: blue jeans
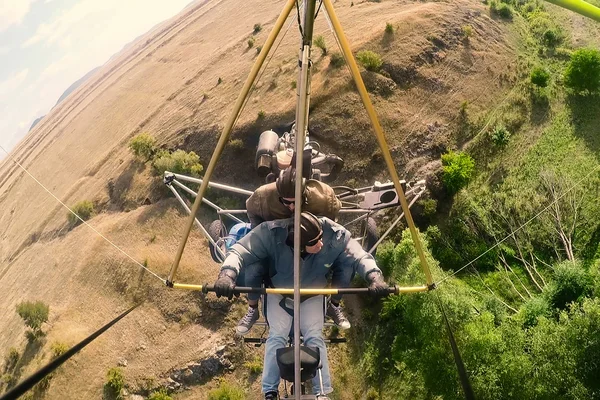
{"x": 280, "y": 324}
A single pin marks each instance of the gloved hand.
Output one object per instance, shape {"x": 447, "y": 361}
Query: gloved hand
{"x": 377, "y": 286}
{"x": 225, "y": 283}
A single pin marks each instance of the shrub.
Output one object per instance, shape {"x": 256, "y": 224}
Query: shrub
{"x": 160, "y": 395}
{"x": 85, "y": 210}
{"x": 533, "y": 309}
{"x": 255, "y": 366}
{"x": 261, "y": 115}
{"x": 389, "y": 28}
{"x": 258, "y": 49}
{"x": 236, "y": 144}
{"x": 336, "y": 60}
{"x": 552, "y": 38}
{"x": 58, "y": 349}
{"x": 503, "y": 10}
{"x": 11, "y": 359}
{"x": 226, "y": 391}
{"x": 583, "y": 72}
{"x": 143, "y": 146}
{"x": 219, "y": 81}
{"x": 257, "y": 28}
{"x": 458, "y": 169}
{"x": 467, "y": 31}
{"x": 294, "y": 84}
{"x": 370, "y": 60}
{"x": 179, "y": 162}
{"x": 571, "y": 283}
{"x": 115, "y": 381}
{"x": 250, "y": 42}
{"x": 539, "y": 77}
{"x": 33, "y": 314}
{"x": 429, "y": 206}
{"x": 500, "y": 135}
{"x": 320, "y": 43}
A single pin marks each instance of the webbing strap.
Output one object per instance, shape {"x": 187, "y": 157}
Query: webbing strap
{"x": 28, "y": 383}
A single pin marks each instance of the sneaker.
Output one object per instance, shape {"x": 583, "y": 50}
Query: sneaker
{"x": 338, "y": 317}
{"x": 247, "y": 321}
{"x": 271, "y": 395}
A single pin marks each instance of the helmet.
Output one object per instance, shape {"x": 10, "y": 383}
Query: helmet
{"x": 286, "y": 183}
{"x": 311, "y": 230}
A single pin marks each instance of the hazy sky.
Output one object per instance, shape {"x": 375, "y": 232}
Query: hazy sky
{"x": 46, "y": 45}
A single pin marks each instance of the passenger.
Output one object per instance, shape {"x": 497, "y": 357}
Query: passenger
{"x": 276, "y": 201}
{"x": 326, "y": 246}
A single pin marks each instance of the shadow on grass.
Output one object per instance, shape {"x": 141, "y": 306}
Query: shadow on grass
{"x": 585, "y": 117}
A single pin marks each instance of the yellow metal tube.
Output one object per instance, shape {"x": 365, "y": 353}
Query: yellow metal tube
{"x": 305, "y": 292}
{"x": 580, "y": 7}
{"x": 362, "y": 90}
{"x": 227, "y": 131}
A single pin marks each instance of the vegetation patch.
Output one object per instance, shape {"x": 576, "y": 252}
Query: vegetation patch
{"x": 227, "y": 391}
{"x": 370, "y": 60}
{"x": 179, "y": 162}
{"x": 84, "y": 209}
{"x": 34, "y": 314}
{"x": 458, "y": 168}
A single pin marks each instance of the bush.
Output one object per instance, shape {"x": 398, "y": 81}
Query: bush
{"x": 320, "y": 43}
{"x": 500, "y": 135}
{"x": 370, "y": 60}
{"x": 389, "y": 28}
{"x": 583, "y": 72}
{"x": 34, "y": 314}
{"x": 226, "y": 391}
{"x": 85, "y": 210}
{"x": 532, "y": 310}
{"x": 11, "y": 359}
{"x": 458, "y": 169}
{"x": 539, "y": 77}
{"x": 115, "y": 381}
{"x": 258, "y": 49}
{"x": 571, "y": 283}
{"x": 58, "y": 349}
{"x": 179, "y": 162}
{"x": 336, "y": 60}
{"x": 250, "y": 43}
{"x": 503, "y": 10}
{"x": 160, "y": 395}
{"x": 255, "y": 366}
{"x": 261, "y": 115}
{"x": 236, "y": 144}
{"x": 552, "y": 38}
{"x": 257, "y": 28}
{"x": 143, "y": 146}
{"x": 467, "y": 31}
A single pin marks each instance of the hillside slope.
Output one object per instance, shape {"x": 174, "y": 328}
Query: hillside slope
{"x": 166, "y": 84}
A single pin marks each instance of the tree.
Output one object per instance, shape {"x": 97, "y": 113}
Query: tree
{"x": 34, "y": 314}
{"x": 458, "y": 169}
{"x": 539, "y": 77}
{"x": 583, "y": 72}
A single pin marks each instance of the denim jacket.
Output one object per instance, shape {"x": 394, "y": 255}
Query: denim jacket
{"x": 340, "y": 255}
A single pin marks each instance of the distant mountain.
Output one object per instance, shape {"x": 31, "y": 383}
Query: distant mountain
{"x": 36, "y": 122}
{"x": 74, "y": 86}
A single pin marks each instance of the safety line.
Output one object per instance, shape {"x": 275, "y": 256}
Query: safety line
{"x": 522, "y": 226}
{"x": 78, "y": 217}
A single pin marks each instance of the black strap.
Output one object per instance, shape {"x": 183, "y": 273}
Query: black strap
{"x": 462, "y": 372}
{"x": 28, "y": 383}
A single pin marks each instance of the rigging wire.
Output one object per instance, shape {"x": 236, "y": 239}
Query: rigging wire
{"x": 79, "y": 218}
{"x": 522, "y": 226}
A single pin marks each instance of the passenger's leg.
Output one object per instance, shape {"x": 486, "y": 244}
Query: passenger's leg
{"x": 252, "y": 276}
{"x": 340, "y": 279}
{"x": 311, "y": 326}
{"x": 280, "y": 323}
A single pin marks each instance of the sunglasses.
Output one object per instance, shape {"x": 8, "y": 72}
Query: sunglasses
{"x": 286, "y": 202}
{"x": 315, "y": 240}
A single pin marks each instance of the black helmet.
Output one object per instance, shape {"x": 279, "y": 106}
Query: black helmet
{"x": 311, "y": 230}
{"x": 286, "y": 183}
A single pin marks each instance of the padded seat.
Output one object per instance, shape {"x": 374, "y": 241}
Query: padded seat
{"x": 310, "y": 362}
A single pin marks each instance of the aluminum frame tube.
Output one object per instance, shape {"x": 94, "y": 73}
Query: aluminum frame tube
{"x": 215, "y": 207}
{"x": 215, "y": 185}
{"x": 227, "y": 132}
{"x": 202, "y": 229}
